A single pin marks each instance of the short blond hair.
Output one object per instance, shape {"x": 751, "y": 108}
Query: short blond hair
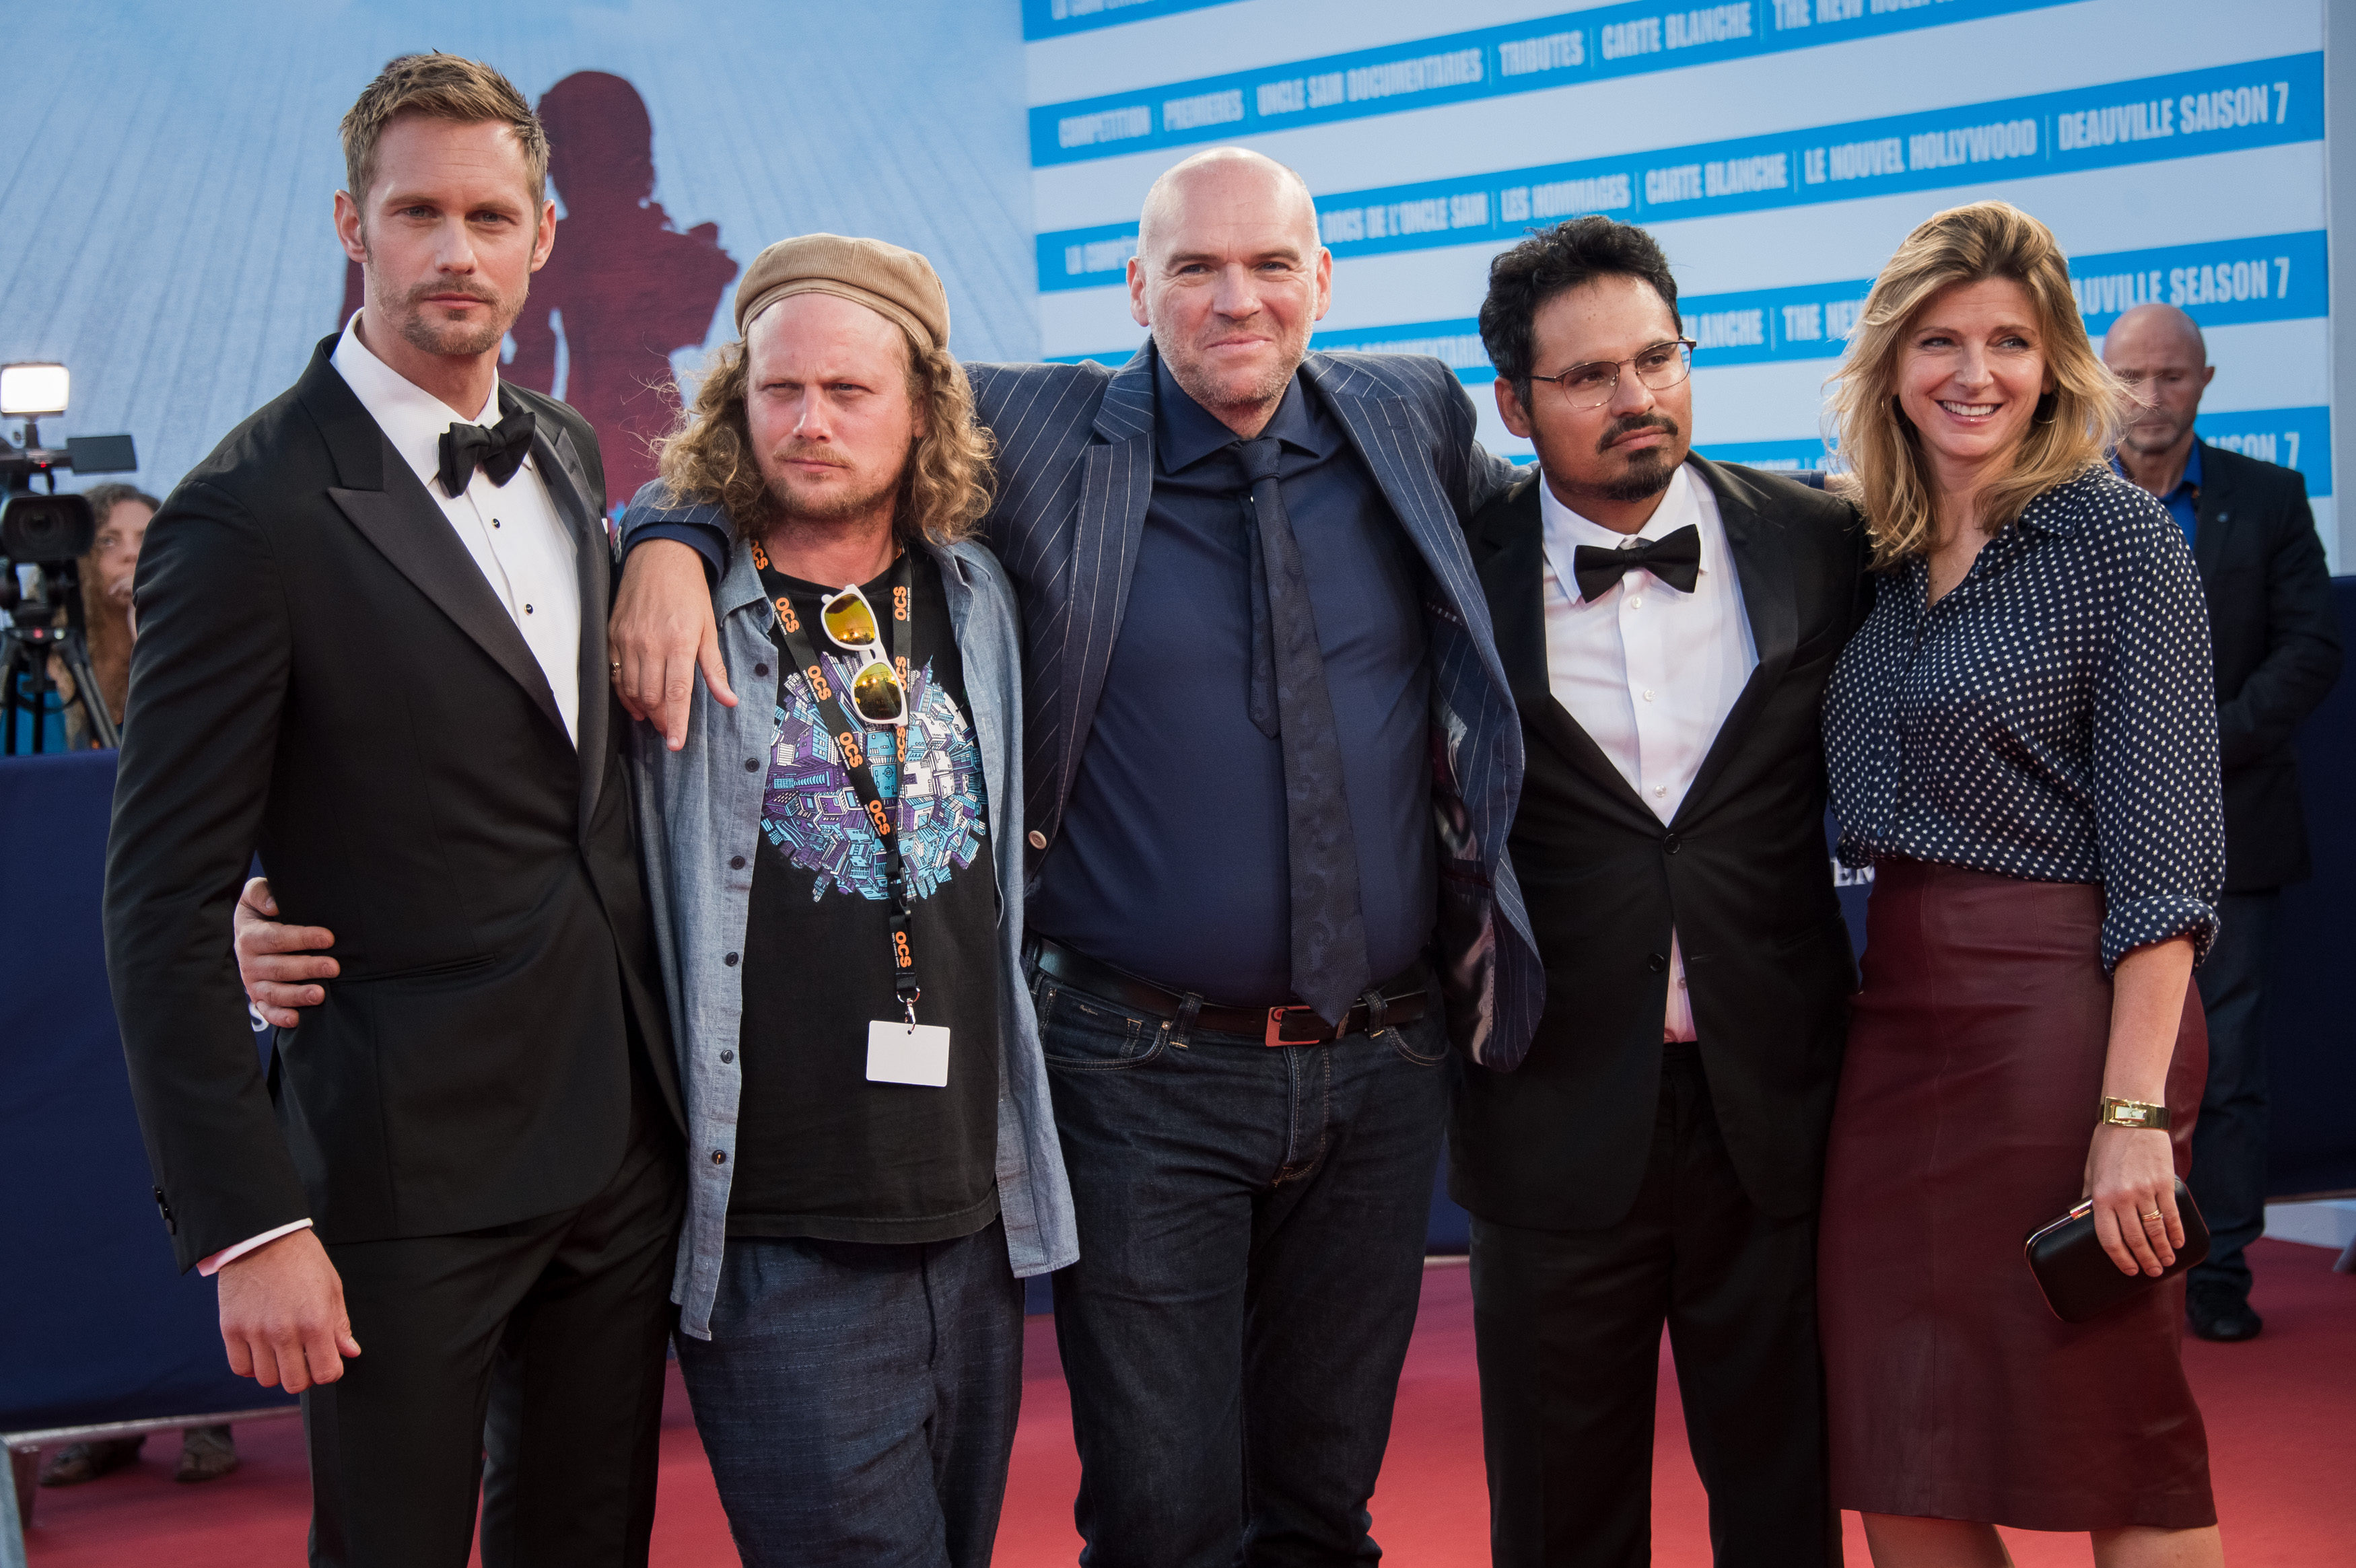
{"x": 1879, "y": 445}
{"x": 446, "y": 87}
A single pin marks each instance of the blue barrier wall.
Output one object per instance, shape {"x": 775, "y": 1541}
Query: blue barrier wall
{"x": 99, "y": 1327}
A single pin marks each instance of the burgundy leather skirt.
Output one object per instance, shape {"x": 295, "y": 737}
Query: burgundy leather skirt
{"x": 1967, "y": 1101}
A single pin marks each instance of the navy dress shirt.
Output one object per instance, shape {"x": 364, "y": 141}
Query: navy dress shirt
{"x": 2052, "y": 717}
{"x": 2183, "y": 503}
{"x": 1171, "y": 860}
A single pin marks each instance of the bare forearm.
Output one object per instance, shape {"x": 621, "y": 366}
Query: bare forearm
{"x": 2146, "y": 1008}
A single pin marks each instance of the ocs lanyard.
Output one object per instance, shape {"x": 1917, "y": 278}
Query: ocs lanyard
{"x": 787, "y": 630}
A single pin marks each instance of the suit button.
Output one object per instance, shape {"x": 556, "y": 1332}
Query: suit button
{"x": 752, "y": 764}
{"x": 735, "y": 862}
{"x": 1038, "y": 840}
{"x": 720, "y": 1156}
{"x": 1657, "y": 963}
{"x": 727, "y": 1056}
{"x": 730, "y": 961}
{"x": 1669, "y": 844}
{"x": 760, "y": 669}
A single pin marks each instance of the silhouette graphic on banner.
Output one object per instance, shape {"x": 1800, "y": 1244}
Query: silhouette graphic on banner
{"x": 622, "y": 290}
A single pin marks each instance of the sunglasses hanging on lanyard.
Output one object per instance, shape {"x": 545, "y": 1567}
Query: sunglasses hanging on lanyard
{"x": 899, "y": 1051}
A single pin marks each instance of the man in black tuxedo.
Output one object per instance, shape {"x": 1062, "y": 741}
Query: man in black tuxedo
{"x": 372, "y": 647}
{"x": 2275, "y": 641}
{"x": 1668, "y": 623}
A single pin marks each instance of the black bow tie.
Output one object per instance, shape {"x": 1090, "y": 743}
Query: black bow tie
{"x": 499, "y": 450}
{"x": 1676, "y": 559}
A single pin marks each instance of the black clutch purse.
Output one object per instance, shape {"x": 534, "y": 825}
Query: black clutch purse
{"x": 2079, "y": 1279}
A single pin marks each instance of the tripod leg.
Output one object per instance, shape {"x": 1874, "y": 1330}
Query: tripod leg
{"x": 74, "y": 653}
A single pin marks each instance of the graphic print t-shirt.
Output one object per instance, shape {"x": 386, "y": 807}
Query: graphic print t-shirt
{"x": 821, "y": 1151}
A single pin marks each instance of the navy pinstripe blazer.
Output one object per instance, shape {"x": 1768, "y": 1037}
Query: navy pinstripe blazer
{"x": 1075, "y": 478}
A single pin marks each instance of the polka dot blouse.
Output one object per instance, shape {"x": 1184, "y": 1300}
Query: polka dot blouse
{"x": 2054, "y": 718}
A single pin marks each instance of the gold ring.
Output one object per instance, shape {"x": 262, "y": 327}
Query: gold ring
{"x": 616, "y": 666}
{"x": 2153, "y": 1215}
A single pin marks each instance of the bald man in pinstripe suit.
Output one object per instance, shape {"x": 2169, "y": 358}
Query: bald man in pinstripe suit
{"x": 1271, "y": 757}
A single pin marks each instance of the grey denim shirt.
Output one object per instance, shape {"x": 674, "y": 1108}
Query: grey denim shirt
{"x": 699, "y": 813}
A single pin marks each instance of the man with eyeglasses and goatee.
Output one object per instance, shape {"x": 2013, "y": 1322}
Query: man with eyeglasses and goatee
{"x": 1668, "y": 623}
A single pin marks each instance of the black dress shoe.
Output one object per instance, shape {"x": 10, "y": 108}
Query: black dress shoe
{"x": 2222, "y": 1313}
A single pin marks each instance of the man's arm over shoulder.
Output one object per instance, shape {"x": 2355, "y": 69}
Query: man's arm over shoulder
{"x": 2303, "y": 653}
{"x": 209, "y": 674}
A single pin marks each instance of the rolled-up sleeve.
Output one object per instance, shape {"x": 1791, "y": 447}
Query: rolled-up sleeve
{"x": 2158, "y": 801}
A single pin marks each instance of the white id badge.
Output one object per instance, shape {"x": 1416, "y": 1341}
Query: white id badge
{"x": 898, "y": 1054}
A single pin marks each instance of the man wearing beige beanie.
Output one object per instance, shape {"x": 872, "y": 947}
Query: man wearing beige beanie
{"x": 872, "y": 1156}
{"x": 872, "y": 1165}
{"x": 1272, "y": 760}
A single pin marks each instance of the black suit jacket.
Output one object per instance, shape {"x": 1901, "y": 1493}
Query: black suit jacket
{"x": 322, "y": 674}
{"x": 2276, "y": 643}
{"x": 1741, "y": 872}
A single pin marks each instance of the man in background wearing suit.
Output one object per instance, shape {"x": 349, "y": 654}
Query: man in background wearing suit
{"x": 1668, "y": 625}
{"x": 2276, "y": 643}
{"x": 372, "y": 647}
{"x": 1258, "y": 671}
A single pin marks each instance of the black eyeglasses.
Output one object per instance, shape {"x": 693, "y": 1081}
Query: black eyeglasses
{"x": 1590, "y": 386}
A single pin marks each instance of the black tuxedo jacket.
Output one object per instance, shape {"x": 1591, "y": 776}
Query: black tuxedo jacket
{"x": 1741, "y": 873}
{"x": 2276, "y": 643}
{"x": 323, "y": 674}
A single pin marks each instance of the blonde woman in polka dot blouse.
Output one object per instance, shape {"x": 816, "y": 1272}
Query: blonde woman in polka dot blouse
{"x": 2022, "y": 743}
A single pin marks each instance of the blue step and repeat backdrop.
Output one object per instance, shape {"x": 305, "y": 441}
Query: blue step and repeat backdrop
{"x": 165, "y": 230}
{"x": 1780, "y": 149}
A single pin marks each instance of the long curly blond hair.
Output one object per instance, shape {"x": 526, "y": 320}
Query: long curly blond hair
{"x": 1881, "y": 447}
{"x": 944, "y": 488}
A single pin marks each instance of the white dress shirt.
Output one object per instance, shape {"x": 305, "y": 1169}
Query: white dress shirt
{"x": 513, "y": 532}
{"x": 1649, "y": 672}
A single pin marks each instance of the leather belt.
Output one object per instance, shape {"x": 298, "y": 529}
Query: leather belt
{"x": 1401, "y": 1000}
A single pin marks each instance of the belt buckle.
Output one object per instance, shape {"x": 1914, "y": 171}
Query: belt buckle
{"x": 1274, "y": 1035}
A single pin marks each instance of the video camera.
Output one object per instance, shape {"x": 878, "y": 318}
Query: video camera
{"x": 43, "y": 537}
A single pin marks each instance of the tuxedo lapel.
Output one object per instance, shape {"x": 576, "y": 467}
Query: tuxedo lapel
{"x": 593, "y": 553}
{"x": 1762, "y": 564}
{"x": 1511, "y": 559}
{"x": 381, "y": 497}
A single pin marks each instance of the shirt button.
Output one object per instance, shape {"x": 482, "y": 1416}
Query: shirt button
{"x": 727, "y": 1056}
{"x": 1038, "y": 840}
{"x": 720, "y": 1156}
{"x": 730, "y": 961}
{"x": 735, "y": 862}
{"x": 1660, "y": 789}
{"x": 1648, "y": 694}
{"x": 1635, "y": 603}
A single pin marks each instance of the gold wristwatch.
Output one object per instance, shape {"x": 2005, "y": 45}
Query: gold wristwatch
{"x": 2118, "y": 1112}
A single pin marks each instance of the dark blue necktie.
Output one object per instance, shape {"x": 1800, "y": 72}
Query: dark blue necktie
{"x": 1329, "y": 928}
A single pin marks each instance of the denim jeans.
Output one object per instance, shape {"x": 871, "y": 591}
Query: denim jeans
{"x": 857, "y": 1399}
{"x": 2229, "y": 1141}
{"x": 1251, "y": 1241}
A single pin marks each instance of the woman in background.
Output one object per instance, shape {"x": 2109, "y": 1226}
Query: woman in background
{"x": 2022, "y": 742}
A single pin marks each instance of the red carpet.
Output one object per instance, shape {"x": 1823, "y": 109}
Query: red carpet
{"x": 2281, "y": 1412}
